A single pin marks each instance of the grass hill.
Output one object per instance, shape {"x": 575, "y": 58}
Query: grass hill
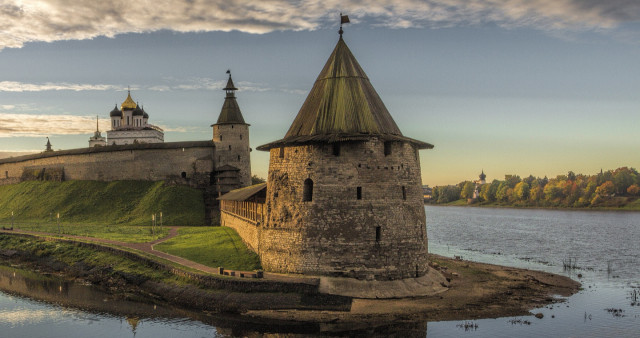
{"x": 93, "y": 202}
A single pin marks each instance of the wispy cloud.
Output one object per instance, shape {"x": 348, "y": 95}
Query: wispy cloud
{"x": 54, "y": 20}
{"x": 28, "y": 125}
{"x": 205, "y": 83}
{"x": 14, "y": 86}
{"x": 170, "y": 84}
{"x": 31, "y": 125}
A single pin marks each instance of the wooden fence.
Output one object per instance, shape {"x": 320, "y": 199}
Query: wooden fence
{"x": 250, "y": 210}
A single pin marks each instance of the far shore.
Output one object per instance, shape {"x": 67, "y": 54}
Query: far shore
{"x": 461, "y": 203}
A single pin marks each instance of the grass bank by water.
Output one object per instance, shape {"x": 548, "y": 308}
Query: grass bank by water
{"x": 212, "y": 246}
{"x": 93, "y": 202}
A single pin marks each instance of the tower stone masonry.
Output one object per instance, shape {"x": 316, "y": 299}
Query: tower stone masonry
{"x": 231, "y": 138}
{"x": 344, "y": 189}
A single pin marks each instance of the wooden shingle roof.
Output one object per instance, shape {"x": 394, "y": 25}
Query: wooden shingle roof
{"x": 243, "y": 193}
{"x": 230, "y": 113}
{"x": 342, "y": 106}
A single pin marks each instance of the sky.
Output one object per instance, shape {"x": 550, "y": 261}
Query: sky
{"x": 520, "y": 87}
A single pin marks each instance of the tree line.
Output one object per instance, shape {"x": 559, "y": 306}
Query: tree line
{"x": 612, "y": 188}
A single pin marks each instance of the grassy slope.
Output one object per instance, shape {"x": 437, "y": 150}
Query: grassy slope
{"x": 212, "y": 246}
{"x": 123, "y": 233}
{"x": 92, "y": 202}
{"x": 72, "y": 254}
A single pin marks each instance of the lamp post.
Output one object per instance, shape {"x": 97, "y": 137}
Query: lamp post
{"x": 161, "y": 219}
{"x": 12, "y": 220}
{"x": 58, "y": 218}
{"x": 153, "y": 223}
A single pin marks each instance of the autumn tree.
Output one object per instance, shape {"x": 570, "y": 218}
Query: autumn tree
{"x": 502, "y": 195}
{"x": 605, "y": 189}
{"x": 521, "y": 191}
{"x": 633, "y": 190}
{"x": 467, "y": 190}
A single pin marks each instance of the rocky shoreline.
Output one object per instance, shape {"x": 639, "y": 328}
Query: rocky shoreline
{"x": 475, "y": 290}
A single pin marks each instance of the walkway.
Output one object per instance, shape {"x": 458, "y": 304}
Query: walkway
{"x": 147, "y": 247}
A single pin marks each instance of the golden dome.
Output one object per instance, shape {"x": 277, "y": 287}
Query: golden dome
{"x": 128, "y": 103}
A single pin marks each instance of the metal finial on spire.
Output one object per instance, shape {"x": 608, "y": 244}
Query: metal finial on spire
{"x": 343, "y": 19}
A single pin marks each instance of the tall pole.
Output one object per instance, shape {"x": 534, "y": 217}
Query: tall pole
{"x": 153, "y": 222}
{"x": 161, "y": 219}
{"x": 12, "y": 220}
{"x": 58, "y": 218}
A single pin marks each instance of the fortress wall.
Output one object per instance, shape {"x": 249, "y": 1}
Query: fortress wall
{"x": 380, "y": 236}
{"x": 165, "y": 161}
{"x": 247, "y": 230}
{"x": 268, "y": 242}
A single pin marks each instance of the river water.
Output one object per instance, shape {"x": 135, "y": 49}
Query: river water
{"x": 603, "y": 247}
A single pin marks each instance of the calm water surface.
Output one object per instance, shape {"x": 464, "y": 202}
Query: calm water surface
{"x": 604, "y": 247}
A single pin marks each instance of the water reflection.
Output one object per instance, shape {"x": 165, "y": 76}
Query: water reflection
{"x": 72, "y": 308}
{"x": 603, "y": 246}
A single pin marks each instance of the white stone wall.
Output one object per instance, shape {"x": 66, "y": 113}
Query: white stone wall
{"x": 122, "y": 137}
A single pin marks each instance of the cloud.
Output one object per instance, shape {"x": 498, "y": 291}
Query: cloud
{"x": 14, "y": 86}
{"x": 204, "y": 83}
{"x": 27, "y": 125}
{"x": 55, "y": 20}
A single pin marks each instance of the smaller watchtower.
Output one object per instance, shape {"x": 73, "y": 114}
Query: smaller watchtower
{"x": 231, "y": 138}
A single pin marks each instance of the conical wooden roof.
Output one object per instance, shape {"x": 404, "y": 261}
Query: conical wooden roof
{"x": 342, "y": 106}
{"x": 230, "y": 113}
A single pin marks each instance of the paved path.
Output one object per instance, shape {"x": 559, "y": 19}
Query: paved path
{"x": 147, "y": 247}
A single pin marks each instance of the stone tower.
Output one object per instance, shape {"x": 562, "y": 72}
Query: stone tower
{"x": 231, "y": 138}
{"x": 344, "y": 186}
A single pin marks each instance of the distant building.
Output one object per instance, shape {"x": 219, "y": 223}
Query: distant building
{"x": 130, "y": 125}
{"x": 427, "y": 192}
{"x": 479, "y": 183}
{"x": 97, "y": 140}
{"x": 48, "y": 146}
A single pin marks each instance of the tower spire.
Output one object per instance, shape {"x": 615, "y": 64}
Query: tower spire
{"x": 230, "y": 88}
{"x": 343, "y": 19}
{"x": 97, "y": 127}
{"x": 230, "y": 113}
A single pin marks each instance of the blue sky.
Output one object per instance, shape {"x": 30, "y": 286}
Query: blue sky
{"x": 511, "y": 87}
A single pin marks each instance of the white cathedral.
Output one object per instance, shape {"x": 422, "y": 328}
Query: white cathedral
{"x": 129, "y": 125}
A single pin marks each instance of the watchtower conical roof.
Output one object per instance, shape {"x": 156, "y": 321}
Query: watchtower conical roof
{"x": 230, "y": 113}
{"x": 342, "y": 106}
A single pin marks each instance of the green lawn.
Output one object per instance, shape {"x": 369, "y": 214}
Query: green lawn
{"x": 123, "y": 233}
{"x": 212, "y": 246}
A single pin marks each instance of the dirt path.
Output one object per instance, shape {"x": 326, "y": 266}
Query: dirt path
{"x": 146, "y": 247}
